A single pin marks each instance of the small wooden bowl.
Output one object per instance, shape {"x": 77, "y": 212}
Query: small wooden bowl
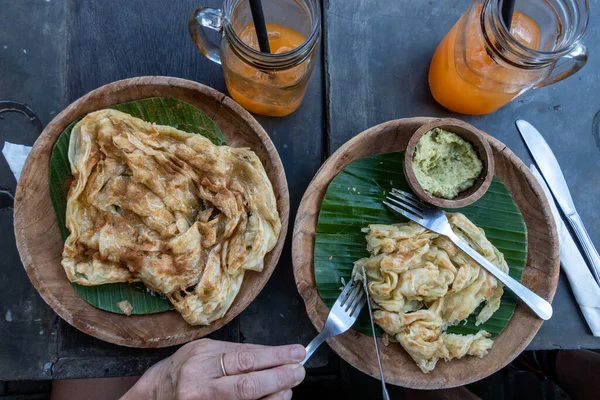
{"x": 481, "y": 147}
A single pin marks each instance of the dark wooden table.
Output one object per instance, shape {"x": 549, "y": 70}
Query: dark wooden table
{"x": 373, "y": 68}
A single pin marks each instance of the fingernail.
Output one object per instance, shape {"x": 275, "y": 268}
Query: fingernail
{"x": 298, "y": 353}
{"x": 287, "y": 395}
{"x": 299, "y": 373}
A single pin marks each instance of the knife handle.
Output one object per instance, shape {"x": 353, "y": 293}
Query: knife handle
{"x": 586, "y": 242}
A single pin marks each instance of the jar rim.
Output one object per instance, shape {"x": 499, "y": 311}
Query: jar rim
{"x": 531, "y": 55}
{"x": 272, "y": 61}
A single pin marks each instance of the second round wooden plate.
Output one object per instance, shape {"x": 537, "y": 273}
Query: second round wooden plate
{"x": 540, "y": 274}
{"x": 40, "y": 244}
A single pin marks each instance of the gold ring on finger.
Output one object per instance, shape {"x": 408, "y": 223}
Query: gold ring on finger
{"x": 223, "y": 365}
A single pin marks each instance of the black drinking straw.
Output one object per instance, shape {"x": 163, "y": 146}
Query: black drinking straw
{"x": 508, "y": 7}
{"x": 260, "y": 26}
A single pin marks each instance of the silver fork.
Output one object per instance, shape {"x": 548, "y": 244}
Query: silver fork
{"x": 342, "y": 315}
{"x": 434, "y": 219}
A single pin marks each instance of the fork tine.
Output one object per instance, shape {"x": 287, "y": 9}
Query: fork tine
{"x": 407, "y": 194}
{"x": 408, "y": 198}
{"x": 356, "y": 302}
{"x": 408, "y": 207}
{"x": 359, "y": 307}
{"x": 352, "y": 297}
{"x": 407, "y": 214}
{"x": 345, "y": 293}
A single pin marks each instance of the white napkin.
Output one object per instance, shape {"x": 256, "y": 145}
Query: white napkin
{"x": 583, "y": 284}
{"x": 15, "y": 155}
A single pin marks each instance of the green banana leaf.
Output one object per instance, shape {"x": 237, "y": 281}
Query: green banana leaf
{"x": 162, "y": 111}
{"x": 354, "y": 200}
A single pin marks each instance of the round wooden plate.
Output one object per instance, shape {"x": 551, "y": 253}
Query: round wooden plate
{"x": 40, "y": 244}
{"x": 540, "y": 274}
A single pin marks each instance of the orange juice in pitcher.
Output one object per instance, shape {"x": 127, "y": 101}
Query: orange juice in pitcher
{"x": 480, "y": 66}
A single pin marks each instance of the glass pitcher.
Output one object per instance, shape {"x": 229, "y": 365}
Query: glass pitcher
{"x": 274, "y": 83}
{"x": 479, "y": 66}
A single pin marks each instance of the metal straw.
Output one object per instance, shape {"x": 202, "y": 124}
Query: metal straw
{"x": 260, "y": 26}
{"x": 508, "y": 8}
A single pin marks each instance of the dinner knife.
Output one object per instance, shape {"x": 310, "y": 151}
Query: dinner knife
{"x": 386, "y": 396}
{"x": 548, "y": 165}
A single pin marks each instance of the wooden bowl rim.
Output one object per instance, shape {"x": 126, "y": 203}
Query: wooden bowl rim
{"x": 303, "y": 240}
{"x": 156, "y": 85}
{"x": 467, "y": 196}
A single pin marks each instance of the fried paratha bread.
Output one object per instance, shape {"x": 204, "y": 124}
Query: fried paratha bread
{"x": 168, "y": 208}
{"x": 422, "y": 283}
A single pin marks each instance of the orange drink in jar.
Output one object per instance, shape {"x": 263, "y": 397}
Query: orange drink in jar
{"x": 272, "y": 84}
{"x": 480, "y": 65}
{"x": 268, "y": 92}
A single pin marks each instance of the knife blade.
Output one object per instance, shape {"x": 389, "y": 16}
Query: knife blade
{"x": 548, "y": 165}
{"x": 552, "y": 174}
{"x": 386, "y": 396}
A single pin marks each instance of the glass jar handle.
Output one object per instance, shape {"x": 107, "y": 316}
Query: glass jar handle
{"x": 206, "y": 17}
{"x": 567, "y": 65}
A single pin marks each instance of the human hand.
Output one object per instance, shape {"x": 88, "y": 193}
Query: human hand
{"x": 194, "y": 372}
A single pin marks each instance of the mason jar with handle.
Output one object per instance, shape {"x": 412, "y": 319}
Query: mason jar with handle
{"x": 481, "y": 65}
{"x": 274, "y": 83}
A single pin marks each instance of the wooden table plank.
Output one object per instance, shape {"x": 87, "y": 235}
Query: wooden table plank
{"x": 377, "y": 60}
{"x": 278, "y": 315}
{"x": 108, "y": 41}
{"x": 157, "y": 43}
{"x": 160, "y": 44}
{"x": 32, "y": 57}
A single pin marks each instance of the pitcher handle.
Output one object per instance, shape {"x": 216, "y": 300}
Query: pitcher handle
{"x": 206, "y": 17}
{"x": 567, "y": 66}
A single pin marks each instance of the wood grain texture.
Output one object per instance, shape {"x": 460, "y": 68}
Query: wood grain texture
{"x": 482, "y": 149}
{"x": 540, "y": 274}
{"x": 40, "y": 244}
{"x": 298, "y": 137}
{"x": 32, "y": 53}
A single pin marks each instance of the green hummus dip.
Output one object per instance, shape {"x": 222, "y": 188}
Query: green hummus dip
{"x": 445, "y": 164}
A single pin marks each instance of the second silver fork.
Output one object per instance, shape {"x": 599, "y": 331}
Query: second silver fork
{"x": 434, "y": 219}
{"x": 343, "y": 314}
